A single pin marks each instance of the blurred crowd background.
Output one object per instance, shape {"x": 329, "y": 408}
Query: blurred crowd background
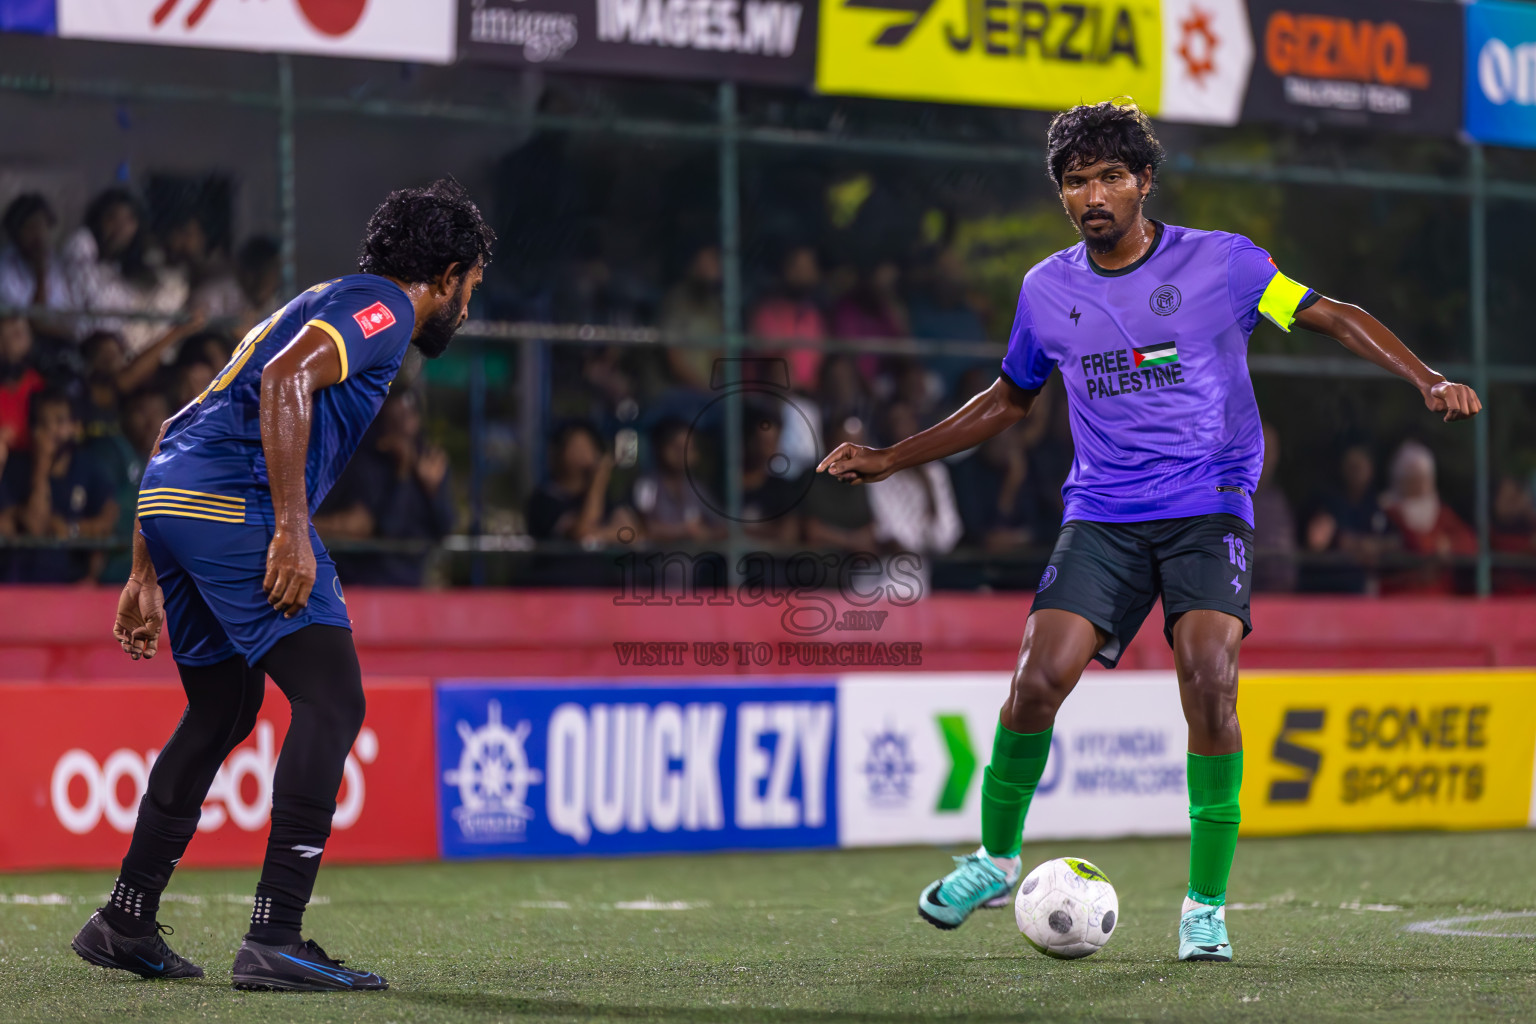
{"x": 582, "y": 415}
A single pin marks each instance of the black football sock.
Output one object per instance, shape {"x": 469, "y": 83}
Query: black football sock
{"x": 159, "y": 840}
{"x": 316, "y": 668}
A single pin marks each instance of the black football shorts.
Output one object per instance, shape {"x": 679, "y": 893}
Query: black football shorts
{"x": 1110, "y": 573}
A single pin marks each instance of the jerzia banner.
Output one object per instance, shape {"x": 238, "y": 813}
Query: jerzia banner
{"x": 772, "y": 42}
{"x": 1393, "y": 64}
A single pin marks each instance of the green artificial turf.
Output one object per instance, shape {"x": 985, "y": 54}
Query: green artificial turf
{"x": 1318, "y": 925}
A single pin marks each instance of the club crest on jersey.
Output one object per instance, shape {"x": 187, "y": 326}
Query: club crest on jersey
{"x": 374, "y": 319}
{"x": 1165, "y": 299}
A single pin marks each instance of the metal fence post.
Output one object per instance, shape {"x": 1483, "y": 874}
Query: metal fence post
{"x": 731, "y": 303}
{"x": 287, "y": 176}
{"x": 1480, "y": 426}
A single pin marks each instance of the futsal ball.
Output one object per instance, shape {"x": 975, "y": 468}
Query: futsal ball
{"x": 1066, "y": 908}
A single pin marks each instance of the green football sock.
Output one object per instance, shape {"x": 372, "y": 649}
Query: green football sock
{"x": 1214, "y": 783}
{"x": 1008, "y": 785}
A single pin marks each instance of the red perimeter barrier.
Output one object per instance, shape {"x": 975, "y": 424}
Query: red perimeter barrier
{"x": 75, "y": 757}
{"x": 63, "y": 633}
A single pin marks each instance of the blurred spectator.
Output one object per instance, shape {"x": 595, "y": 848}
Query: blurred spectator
{"x": 835, "y": 514}
{"x": 123, "y": 454}
{"x": 103, "y": 353}
{"x": 1427, "y": 525}
{"x": 113, "y": 269}
{"x": 1274, "y": 526}
{"x": 872, "y": 308}
{"x": 792, "y": 311}
{"x": 914, "y": 509}
{"x": 213, "y": 287}
{"x": 998, "y": 492}
{"x": 842, "y": 392}
{"x": 57, "y": 490}
{"x": 1514, "y": 534}
{"x": 19, "y": 382}
{"x": 573, "y": 504}
{"x": 395, "y": 488}
{"x": 668, "y": 499}
{"x": 770, "y": 495}
{"x": 196, "y": 365}
{"x": 1350, "y": 527}
{"x": 259, "y": 272}
{"x": 943, "y": 310}
{"x": 29, "y": 271}
{"x": 692, "y": 309}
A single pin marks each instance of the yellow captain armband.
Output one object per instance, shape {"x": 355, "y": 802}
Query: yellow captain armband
{"x": 1281, "y": 299}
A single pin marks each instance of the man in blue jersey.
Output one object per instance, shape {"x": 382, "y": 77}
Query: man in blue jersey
{"x": 224, "y": 545}
{"x": 1148, "y": 324}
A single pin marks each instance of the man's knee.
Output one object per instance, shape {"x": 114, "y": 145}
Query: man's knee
{"x": 1210, "y": 697}
{"x": 1039, "y": 688}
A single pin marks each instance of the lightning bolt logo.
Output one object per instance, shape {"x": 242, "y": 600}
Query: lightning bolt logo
{"x": 894, "y": 35}
{"x": 1074, "y": 315}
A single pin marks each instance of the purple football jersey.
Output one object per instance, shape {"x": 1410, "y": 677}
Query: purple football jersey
{"x": 1155, "y": 361}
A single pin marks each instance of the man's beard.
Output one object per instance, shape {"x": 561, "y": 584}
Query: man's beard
{"x": 1105, "y": 242}
{"x": 438, "y": 329}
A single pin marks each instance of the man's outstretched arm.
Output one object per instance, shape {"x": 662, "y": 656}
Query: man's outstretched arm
{"x": 288, "y": 385}
{"x": 984, "y": 416}
{"x": 1370, "y": 339}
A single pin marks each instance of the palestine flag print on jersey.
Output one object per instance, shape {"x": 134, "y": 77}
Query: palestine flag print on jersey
{"x": 1160, "y": 354}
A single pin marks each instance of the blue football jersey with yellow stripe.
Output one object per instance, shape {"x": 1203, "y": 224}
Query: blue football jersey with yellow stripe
{"x": 211, "y": 465}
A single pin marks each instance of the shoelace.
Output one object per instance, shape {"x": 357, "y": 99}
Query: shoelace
{"x": 314, "y": 947}
{"x": 970, "y": 883}
{"x": 164, "y": 929}
{"x": 1203, "y": 928}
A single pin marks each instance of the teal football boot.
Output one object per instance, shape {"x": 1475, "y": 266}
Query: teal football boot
{"x": 1203, "y": 933}
{"x": 975, "y": 882}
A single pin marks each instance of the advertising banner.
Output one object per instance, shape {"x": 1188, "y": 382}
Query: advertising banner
{"x": 1046, "y": 55}
{"x": 415, "y": 30}
{"x": 772, "y": 42}
{"x": 1501, "y": 73}
{"x": 912, "y": 748}
{"x": 76, "y": 758}
{"x": 530, "y": 769}
{"x": 1207, "y": 55}
{"x": 36, "y": 16}
{"x": 1393, "y": 64}
{"x": 1358, "y": 752}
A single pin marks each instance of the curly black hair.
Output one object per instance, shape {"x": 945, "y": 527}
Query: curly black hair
{"x": 417, "y": 233}
{"x": 1091, "y": 132}
{"x": 23, "y": 208}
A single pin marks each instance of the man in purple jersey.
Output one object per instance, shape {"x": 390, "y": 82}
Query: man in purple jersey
{"x": 1148, "y": 324}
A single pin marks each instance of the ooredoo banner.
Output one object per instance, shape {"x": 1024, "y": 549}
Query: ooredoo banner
{"x": 1361, "y": 752}
{"x": 772, "y": 42}
{"x": 530, "y": 769}
{"x": 415, "y": 30}
{"x": 1393, "y": 64}
{"x": 1501, "y": 73}
{"x": 912, "y": 748}
{"x": 76, "y": 758}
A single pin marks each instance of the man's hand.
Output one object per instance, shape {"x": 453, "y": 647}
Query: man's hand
{"x": 1457, "y": 401}
{"x": 856, "y": 464}
{"x": 290, "y": 572}
{"x": 140, "y": 616}
{"x": 431, "y": 468}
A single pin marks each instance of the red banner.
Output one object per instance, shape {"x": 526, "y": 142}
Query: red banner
{"x": 76, "y": 757}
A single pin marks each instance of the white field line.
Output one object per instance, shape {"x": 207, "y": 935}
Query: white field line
{"x": 54, "y": 899}
{"x": 1448, "y": 925}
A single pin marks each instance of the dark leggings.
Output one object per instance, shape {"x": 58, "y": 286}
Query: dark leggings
{"x": 316, "y": 668}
